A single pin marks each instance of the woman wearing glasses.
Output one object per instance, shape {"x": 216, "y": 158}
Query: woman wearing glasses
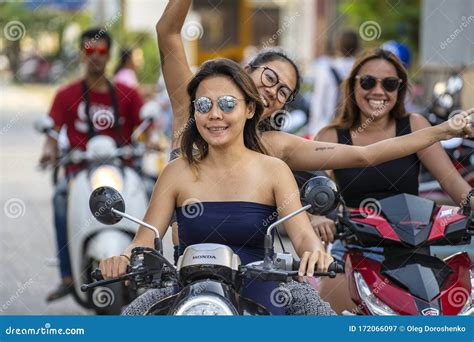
{"x": 373, "y": 110}
{"x": 277, "y": 80}
{"x": 223, "y": 144}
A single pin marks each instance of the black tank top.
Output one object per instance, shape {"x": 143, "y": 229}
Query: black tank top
{"x": 384, "y": 180}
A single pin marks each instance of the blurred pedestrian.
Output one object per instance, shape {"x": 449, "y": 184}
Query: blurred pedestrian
{"x": 329, "y": 74}
{"x": 125, "y": 72}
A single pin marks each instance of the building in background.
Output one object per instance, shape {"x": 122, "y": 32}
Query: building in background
{"x": 447, "y": 44}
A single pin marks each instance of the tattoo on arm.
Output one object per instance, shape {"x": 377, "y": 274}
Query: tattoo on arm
{"x": 324, "y": 148}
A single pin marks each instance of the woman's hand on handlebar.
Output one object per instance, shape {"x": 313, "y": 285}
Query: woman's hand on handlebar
{"x": 316, "y": 261}
{"x": 113, "y": 267}
{"x": 324, "y": 228}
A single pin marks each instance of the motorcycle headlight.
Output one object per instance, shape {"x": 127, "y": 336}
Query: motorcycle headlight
{"x": 375, "y": 305}
{"x": 107, "y": 176}
{"x": 205, "y": 306}
{"x": 468, "y": 308}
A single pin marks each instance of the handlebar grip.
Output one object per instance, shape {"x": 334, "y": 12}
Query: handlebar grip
{"x": 336, "y": 266}
{"x": 97, "y": 274}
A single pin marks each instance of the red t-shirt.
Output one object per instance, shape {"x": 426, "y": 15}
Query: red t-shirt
{"x": 70, "y": 110}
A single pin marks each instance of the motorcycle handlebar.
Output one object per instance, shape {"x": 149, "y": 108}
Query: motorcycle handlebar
{"x": 335, "y": 267}
{"x": 97, "y": 274}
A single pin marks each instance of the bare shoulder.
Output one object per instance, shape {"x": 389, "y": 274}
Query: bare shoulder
{"x": 418, "y": 121}
{"x": 327, "y": 134}
{"x": 271, "y": 166}
{"x": 176, "y": 170}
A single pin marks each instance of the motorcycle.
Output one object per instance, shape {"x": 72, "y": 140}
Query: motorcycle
{"x": 102, "y": 163}
{"x": 208, "y": 276}
{"x": 447, "y": 100}
{"x": 408, "y": 280}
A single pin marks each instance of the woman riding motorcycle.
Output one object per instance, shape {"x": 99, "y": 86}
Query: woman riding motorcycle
{"x": 222, "y": 144}
{"x": 277, "y": 80}
{"x": 374, "y": 110}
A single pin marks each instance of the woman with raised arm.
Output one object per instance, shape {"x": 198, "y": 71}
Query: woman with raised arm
{"x": 373, "y": 109}
{"x": 277, "y": 80}
{"x": 239, "y": 190}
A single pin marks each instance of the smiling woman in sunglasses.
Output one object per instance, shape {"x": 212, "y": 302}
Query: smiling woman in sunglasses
{"x": 372, "y": 111}
{"x": 277, "y": 80}
{"x": 235, "y": 188}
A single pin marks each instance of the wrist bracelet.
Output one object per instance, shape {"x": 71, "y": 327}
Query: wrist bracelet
{"x": 124, "y": 255}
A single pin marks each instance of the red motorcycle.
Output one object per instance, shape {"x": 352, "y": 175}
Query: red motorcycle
{"x": 404, "y": 278}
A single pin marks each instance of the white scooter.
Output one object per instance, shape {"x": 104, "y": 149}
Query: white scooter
{"x": 89, "y": 241}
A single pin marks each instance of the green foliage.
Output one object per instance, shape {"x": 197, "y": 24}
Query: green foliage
{"x": 46, "y": 19}
{"x": 146, "y": 42}
{"x": 399, "y": 20}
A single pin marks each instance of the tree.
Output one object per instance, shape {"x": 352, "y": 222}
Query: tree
{"x": 17, "y": 21}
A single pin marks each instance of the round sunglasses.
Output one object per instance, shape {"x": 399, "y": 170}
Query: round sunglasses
{"x": 226, "y": 104}
{"x": 368, "y": 82}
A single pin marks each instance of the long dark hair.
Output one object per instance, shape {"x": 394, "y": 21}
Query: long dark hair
{"x": 125, "y": 55}
{"x": 191, "y": 139}
{"x": 270, "y": 55}
{"x": 349, "y": 114}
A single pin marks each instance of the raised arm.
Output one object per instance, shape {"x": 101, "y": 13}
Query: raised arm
{"x": 175, "y": 67}
{"x": 301, "y": 154}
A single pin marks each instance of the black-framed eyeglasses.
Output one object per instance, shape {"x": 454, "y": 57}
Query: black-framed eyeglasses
{"x": 226, "y": 104}
{"x": 270, "y": 79}
{"x": 368, "y": 82}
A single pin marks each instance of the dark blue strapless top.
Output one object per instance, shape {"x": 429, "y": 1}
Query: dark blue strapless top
{"x": 241, "y": 226}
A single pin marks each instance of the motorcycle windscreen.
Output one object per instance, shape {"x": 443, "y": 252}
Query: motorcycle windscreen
{"x": 410, "y": 217}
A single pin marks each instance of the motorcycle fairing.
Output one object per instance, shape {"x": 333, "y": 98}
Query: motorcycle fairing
{"x": 243, "y": 305}
{"x": 458, "y": 286}
{"x": 408, "y": 208}
{"x": 449, "y": 227}
{"x": 397, "y": 297}
{"x": 382, "y": 287}
{"x": 405, "y": 220}
{"x": 422, "y": 275}
{"x": 409, "y": 216}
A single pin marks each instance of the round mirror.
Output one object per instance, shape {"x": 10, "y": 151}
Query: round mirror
{"x": 321, "y": 192}
{"x": 101, "y": 202}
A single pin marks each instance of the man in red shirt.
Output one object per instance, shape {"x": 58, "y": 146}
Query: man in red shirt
{"x": 87, "y": 107}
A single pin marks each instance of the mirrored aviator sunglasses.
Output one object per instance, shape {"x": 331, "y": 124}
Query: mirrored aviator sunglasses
{"x": 226, "y": 104}
{"x": 368, "y": 82}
